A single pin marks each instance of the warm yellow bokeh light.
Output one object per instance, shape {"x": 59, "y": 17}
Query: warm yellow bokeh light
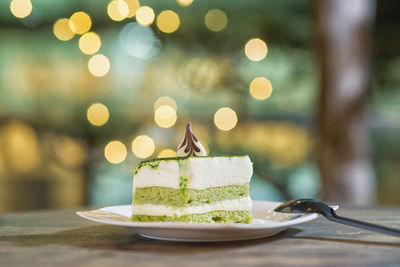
{"x": 80, "y": 22}
{"x": 62, "y": 30}
{"x": 256, "y": 49}
{"x": 225, "y": 119}
{"x": 115, "y": 152}
{"x": 184, "y": 2}
{"x": 168, "y": 21}
{"x": 97, "y": 114}
{"x": 143, "y": 146}
{"x": 145, "y": 15}
{"x": 21, "y": 8}
{"x": 99, "y": 65}
{"x": 89, "y": 43}
{"x": 21, "y": 147}
{"x": 200, "y": 74}
{"x": 117, "y": 10}
{"x": 133, "y": 6}
{"x": 167, "y": 153}
{"x": 260, "y": 88}
{"x": 165, "y": 116}
{"x": 216, "y": 20}
{"x": 71, "y": 152}
{"x": 165, "y": 101}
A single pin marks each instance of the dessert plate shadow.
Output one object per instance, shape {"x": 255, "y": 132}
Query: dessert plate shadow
{"x": 265, "y": 223}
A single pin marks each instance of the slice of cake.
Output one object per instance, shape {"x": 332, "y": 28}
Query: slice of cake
{"x": 193, "y": 188}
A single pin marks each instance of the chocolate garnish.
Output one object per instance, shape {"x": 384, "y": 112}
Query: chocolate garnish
{"x": 191, "y": 143}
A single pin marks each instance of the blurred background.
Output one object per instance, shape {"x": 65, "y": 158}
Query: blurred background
{"x": 88, "y": 89}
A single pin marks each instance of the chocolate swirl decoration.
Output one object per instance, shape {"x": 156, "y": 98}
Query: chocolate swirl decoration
{"x": 190, "y": 146}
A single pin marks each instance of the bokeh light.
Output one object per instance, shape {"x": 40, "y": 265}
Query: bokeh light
{"x": 115, "y": 152}
{"x": 167, "y": 153}
{"x": 80, "y": 22}
{"x": 118, "y": 10}
{"x": 256, "y": 49}
{"x": 70, "y": 151}
{"x": 168, "y": 21}
{"x": 216, "y": 20}
{"x": 89, "y": 43}
{"x": 165, "y": 116}
{"x": 184, "y": 2}
{"x": 99, "y": 65}
{"x": 97, "y": 114}
{"x": 21, "y": 8}
{"x": 145, "y": 15}
{"x": 200, "y": 74}
{"x": 133, "y": 6}
{"x": 21, "y": 147}
{"x": 62, "y": 30}
{"x": 225, "y": 119}
{"x": 165, "y": 101}
{"x": 274, "y": 139}
{"x": 138, "y": 41}
{"x": 260, "y": 88}
{"x": 143, "y": 146}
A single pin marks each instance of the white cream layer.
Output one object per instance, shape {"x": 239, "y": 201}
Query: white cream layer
{"x": 160, "y": 210}
{"x": 203, "y": 172}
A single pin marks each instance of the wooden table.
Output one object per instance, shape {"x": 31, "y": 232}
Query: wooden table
{"x": 60, "y": 238}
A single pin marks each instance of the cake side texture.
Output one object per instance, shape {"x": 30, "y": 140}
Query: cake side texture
{"x": 181, "y": 197}
{"x": 200, "y": 172}
{"x": 193, "y": 189}
{"x": 220, "y": 216}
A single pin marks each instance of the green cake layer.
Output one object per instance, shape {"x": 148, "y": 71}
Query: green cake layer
{"x": 185, "y": 197}
{"x": 241, "y": 216}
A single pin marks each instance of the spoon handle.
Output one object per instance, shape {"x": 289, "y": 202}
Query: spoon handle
{"x": 363, "y": 225}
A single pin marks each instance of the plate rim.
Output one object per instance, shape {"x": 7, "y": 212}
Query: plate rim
{"x": 199, "y": 226}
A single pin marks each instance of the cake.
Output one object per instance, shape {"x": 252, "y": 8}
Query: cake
{"x": 193, "y": 187}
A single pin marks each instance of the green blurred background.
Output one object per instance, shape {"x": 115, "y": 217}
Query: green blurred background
{"x": 79, "y": 111}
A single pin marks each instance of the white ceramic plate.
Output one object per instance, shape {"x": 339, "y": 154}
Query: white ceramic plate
{"x": 265, "y": 223}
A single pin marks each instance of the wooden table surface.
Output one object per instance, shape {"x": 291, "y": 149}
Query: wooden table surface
{"x": 61, "y": 238}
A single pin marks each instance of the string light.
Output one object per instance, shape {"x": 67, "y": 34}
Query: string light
{"x": 145, "y": 15}
{"x": 99, "y": 65}
{"x": 80, "y": 22}
{"x": 115, "y": 152}
{"x": 133, "y": 7}
{"x": 143, "y": 146}
{"x": 97, "y": 114}
{"x": 184, "y": 2}
{"x": 216, "y": 20}
{"x": 62, "y": 30}
{"x": 200, "y": 74}
{"x": 71, "y": 151}
{"x": 167, "y": 153}
{"x": 118, "y": 10}
{"x": 225, "y": 119}
{"x": 165, "y": 101}
{"x": 21, "y": 147}
{"x": 165, "y": 116}
{"x": 89, "y": 43}
{"x": 260, "y": 88}
{"x": 168, "y": 21}
{"x": 256, "y": 49}
{"x": 21, "y": 8}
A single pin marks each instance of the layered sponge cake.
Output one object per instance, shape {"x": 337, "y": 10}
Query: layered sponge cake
{"x": 200, "y": 189}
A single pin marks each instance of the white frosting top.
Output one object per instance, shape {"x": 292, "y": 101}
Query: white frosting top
{"x": 190, "y": 145}
{"x": 203, "y": 172}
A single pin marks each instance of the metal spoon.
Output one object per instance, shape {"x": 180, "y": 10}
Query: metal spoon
{"x": 306, "y": 205}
